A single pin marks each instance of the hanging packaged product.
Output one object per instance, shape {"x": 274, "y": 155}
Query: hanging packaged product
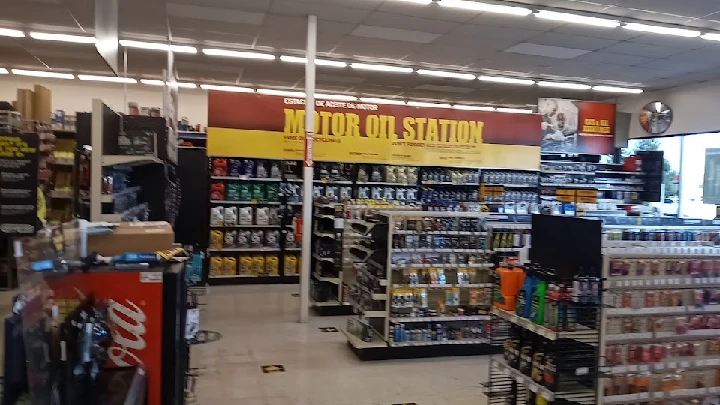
{"x": 229, "y": 266}
{"x": 216, "y": 216}
{"x": 245, "y": 266}
{"x": 272, "y": 265}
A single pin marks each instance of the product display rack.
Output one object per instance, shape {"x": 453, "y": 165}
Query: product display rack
{"x": 661, "y": 325}
{"x": 421, "y": 285}
{"x": 255, "y": 228}
{"x": 326, "y": 288}
{"x": 553, "y": 304}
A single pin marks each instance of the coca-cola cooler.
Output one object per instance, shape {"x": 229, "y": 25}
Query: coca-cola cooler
{"x": 147, "y": 311}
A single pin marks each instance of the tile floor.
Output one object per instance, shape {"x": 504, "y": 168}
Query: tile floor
{"x": 259, "y": 327}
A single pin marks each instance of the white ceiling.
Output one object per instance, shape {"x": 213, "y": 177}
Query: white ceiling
{"x": 385, "y": 31}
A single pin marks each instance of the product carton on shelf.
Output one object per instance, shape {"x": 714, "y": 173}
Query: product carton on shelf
{"x": 133, "y": 237}
{"x": 42, "y": 104}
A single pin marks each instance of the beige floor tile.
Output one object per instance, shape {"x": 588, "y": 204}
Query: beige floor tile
{"x": 259, "y": 327}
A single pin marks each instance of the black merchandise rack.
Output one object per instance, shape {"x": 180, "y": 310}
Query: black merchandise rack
{"x": 287, "y": 227}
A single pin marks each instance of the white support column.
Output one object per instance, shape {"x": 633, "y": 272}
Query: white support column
{"x": 96, "y": 140}
{"x": 308, "y": 168}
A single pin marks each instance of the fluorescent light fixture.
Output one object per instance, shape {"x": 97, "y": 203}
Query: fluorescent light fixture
{"x": 152, "y": 82}
{"x": 711, "y": 37}
{"x": 577, "y": 19}
{"x": 3, "y": 71}
{"x": 284, "y": 93}
{"x": 508, "y": 80}
{"x": 656, "y": 29}
{"x": 157, "y": 46}
{"x": 421, "y": 2}
{"x": 109, "y": 79}
{"x": 335, "y": 97}
{"x": 484, "y": 7}
{"x": 156, "y": 82}
{"x": 564, "y": 85}
{"x": 319, "y": 62}
{"x": 7, "y": 32}
{"x": 473, "y": 107}
{"x": 233, "y": 89}
{"x": 77, "y": 39}
{"x": 430, "y": 105}
{"x": 43, "y": 73}
{"x": 237, "y": 54}
{"x": 374, "y": 100}
{"x": 611, "y": 89}
{"x": 381, "y": 68}
{"x": 514, "y": 110}
{"x": 451, "y": 75}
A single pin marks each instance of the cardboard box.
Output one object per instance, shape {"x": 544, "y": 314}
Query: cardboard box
{"x": 133, "y": 237}
{"x": 42, "y": 104}
{"x": 25, "y": 104}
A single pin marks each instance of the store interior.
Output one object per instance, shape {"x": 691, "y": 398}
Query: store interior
{"x": 318, "y": 202}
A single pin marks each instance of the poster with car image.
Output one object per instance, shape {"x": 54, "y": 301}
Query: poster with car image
{"x": 573, "y": 126}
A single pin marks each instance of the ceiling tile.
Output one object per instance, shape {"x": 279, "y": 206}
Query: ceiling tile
{"x": 394, "y": 34}
{"x": 374, "y": 48}
{"x": 432, "y": 11}
{"x": 445, "y": 88}
{"x": 613, "y": 58}
{"x": 572, "y": 41}
{"x": 259, "y": 6}
{"x": 528, "y": 48}
{"x": 323, "y": 11}
{"x": 650, "y": 51}
{"x": 617, "y": 34}
{"x": 690, "y": 8}
{"x": 668, "y": 41}
{"x": 442, "y": 56}
{"x": 409, "y": 23}
{"x": 471, "y": 33}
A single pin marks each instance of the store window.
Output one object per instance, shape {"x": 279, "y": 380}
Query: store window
{"x": 693, "y": 170}
{"x": 672, "y": 148}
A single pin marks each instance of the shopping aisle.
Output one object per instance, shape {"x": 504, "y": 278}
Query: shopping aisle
{"x": 259, "y": 327}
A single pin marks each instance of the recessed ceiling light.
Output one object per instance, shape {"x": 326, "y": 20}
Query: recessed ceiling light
{"x": 156, "y": 46}
{"x": 514, "y": 110}
{"x": 375, "y": 100}
{"x": 335, "y": 97}
{"x": 152, "y": 82}
{"x": 563, "y": 85}
{"x": 284, "y": 93}
{"x": 451, "y": 75}
{"x": 238, "y": 54}
{"x": 381, "y": 68}
{"x": 421, "y": 2}
{"x": 611, "y": 89}
{"x": 577, "y": 19}
{"x": 6, "y": 32}
{"x": 3, "y": 71}
{"x": 109, "y": 79}
{"x": 77, "y": 39}
{"x": 431, "y": 105}
{"x": 233, "y": 89}
{"x": 319, "y": 62}
{"x": 491, "y": 8}
{"x": 43, "y": 73}
{"x": 508, "y": 80}
{"x": 473, "y": 107}
{"x": 656, "y": 29}
{"x": 186, "y": 85}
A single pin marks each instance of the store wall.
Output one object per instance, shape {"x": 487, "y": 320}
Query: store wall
{"x": 76, "y": 96}
{"x": 694, "y": 107}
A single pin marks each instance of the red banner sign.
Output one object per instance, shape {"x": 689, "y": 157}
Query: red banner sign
{"x": 573, "y": 126}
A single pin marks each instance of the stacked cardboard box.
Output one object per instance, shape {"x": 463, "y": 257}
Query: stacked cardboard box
{"x": 35, "y": 105}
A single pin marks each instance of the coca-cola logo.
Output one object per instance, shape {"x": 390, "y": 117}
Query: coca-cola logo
{"x": 128, "y": 328}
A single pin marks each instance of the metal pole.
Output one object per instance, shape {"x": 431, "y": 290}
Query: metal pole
{"x": 308, "y": 167}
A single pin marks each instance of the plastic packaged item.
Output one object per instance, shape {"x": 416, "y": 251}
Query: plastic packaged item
{"x": 258, "y": 265}
{"x": 290, "y": 265}
{"x": 235, "y": 168}
{"x": 233, "y": 192}
{"x": 262, "y": 216}
{"x": 272, "y": 265}
{"x": 258, "y": 192}
{"x": 243, "y": 239}
{"x": 230, "y": 217}
{"x": 216, "y": 239}
{"x": 229, "y": 266}
{"x": 256, "y": 239}
{"x": 244, "y": 191}
{"x": 219, "y": 167}
{"x": 272, "y": 192}
{"x": 217, "y": 191}
{"x": 272, "y": 239}
{"x": 216, "y": 216}
{"x": 245, "y": 266}
{"x": 245, "y": 216}
{"x": 249, "y": 167}
{"x": 275, "y": 170}
{"x": 261, "y": 171}
{"x": 230, "y": 239}
{"x": 216, "y": 265}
